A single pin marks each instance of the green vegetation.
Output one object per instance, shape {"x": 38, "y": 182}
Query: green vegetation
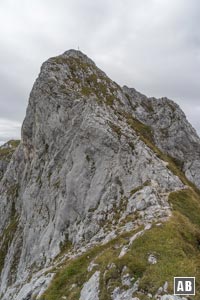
{"x": 110, "y": 99}
{"x": 64, "y": 248}
{"x": 132, "y": 145}
{"x": 187, "y": 203}
{"x": 146, "y": 135}
{"x": 138, "y": 188}
{"x": 86, "y": 91}
{"x": 6, "y": 239}
{"x": 103, "y": 90}
{"x": 88, "y": 158}
{"x": 178, "y": 163}
{"x": 148, "y": 106}
{"x": 74, "y": 272}
{"x": 128, "y": 97}
{"x": 14, "y": 143}
{"x": 92, "y": 83}
{"x": 13, "y": 191}
{"x": 6, "y": 153}
{"x": 115, "y": 129}
{"x": 176, "y": 245}
{"x": 144, "y": 131}
{"x": 176, "y": 248}
{"x": 56, "y": 184}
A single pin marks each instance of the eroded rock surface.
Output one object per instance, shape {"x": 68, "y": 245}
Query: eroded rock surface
{"x": 171, "y": 131}
{"x": 81, "y": 165}
{"x": 90, "y": 289}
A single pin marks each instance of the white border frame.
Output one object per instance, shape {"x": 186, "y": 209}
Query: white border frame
{"x": 184, "y": 294}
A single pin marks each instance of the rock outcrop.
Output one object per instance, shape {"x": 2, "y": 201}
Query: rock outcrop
{"x": 85, "y": 172}
{"x": 172, "y": 133}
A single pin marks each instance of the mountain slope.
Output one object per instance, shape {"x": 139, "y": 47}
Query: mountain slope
{"x": 87, "y": 176}
{"x": 172, "y": 133}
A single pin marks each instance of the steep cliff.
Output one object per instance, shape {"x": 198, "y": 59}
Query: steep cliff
{"x": 94, "y": 174}
{"x": 172, "y": 133}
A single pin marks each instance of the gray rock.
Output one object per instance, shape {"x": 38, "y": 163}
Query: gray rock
{"x": 152, "y": 259}
{"x": 78, "y": 161}
{"x": 126, "y": 280}
{"x": 125, "y": 248}
{"x": 120, "y": 294}
{"x": 171, "y": 297}
{"x": 90, "y": 290}
{"x": 91, "y": 266}
{"x": 160, "y": 290}
{"x": 165, "y": 287}
{"x": 172, "y": 133}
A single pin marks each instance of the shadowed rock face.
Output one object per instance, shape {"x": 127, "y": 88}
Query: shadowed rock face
{"x": 172, "y": 133}
{"x": 80, "y": 165}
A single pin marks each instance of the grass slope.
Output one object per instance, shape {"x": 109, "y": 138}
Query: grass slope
{"x": 6, "y": 153}
{"x": 176, "y": 244}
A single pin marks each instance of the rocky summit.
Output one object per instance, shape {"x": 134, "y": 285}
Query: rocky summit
{"x": 100, "y": 199}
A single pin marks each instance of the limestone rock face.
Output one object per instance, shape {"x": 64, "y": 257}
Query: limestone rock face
{"x": 172, "y": 133}
{"x": 80, "y": 165}
{"x": 91, "y": 288}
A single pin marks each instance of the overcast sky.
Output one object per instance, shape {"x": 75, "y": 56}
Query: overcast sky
{"x": 151, "y": 45}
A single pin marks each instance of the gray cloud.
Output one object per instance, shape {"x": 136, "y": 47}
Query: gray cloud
{"x": 151, "y": 45}
{"x": 9, "y": 130}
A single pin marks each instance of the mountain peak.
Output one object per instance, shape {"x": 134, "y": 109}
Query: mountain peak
{"x": 77, "y": 54}
{"x": 92, "y": 182}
